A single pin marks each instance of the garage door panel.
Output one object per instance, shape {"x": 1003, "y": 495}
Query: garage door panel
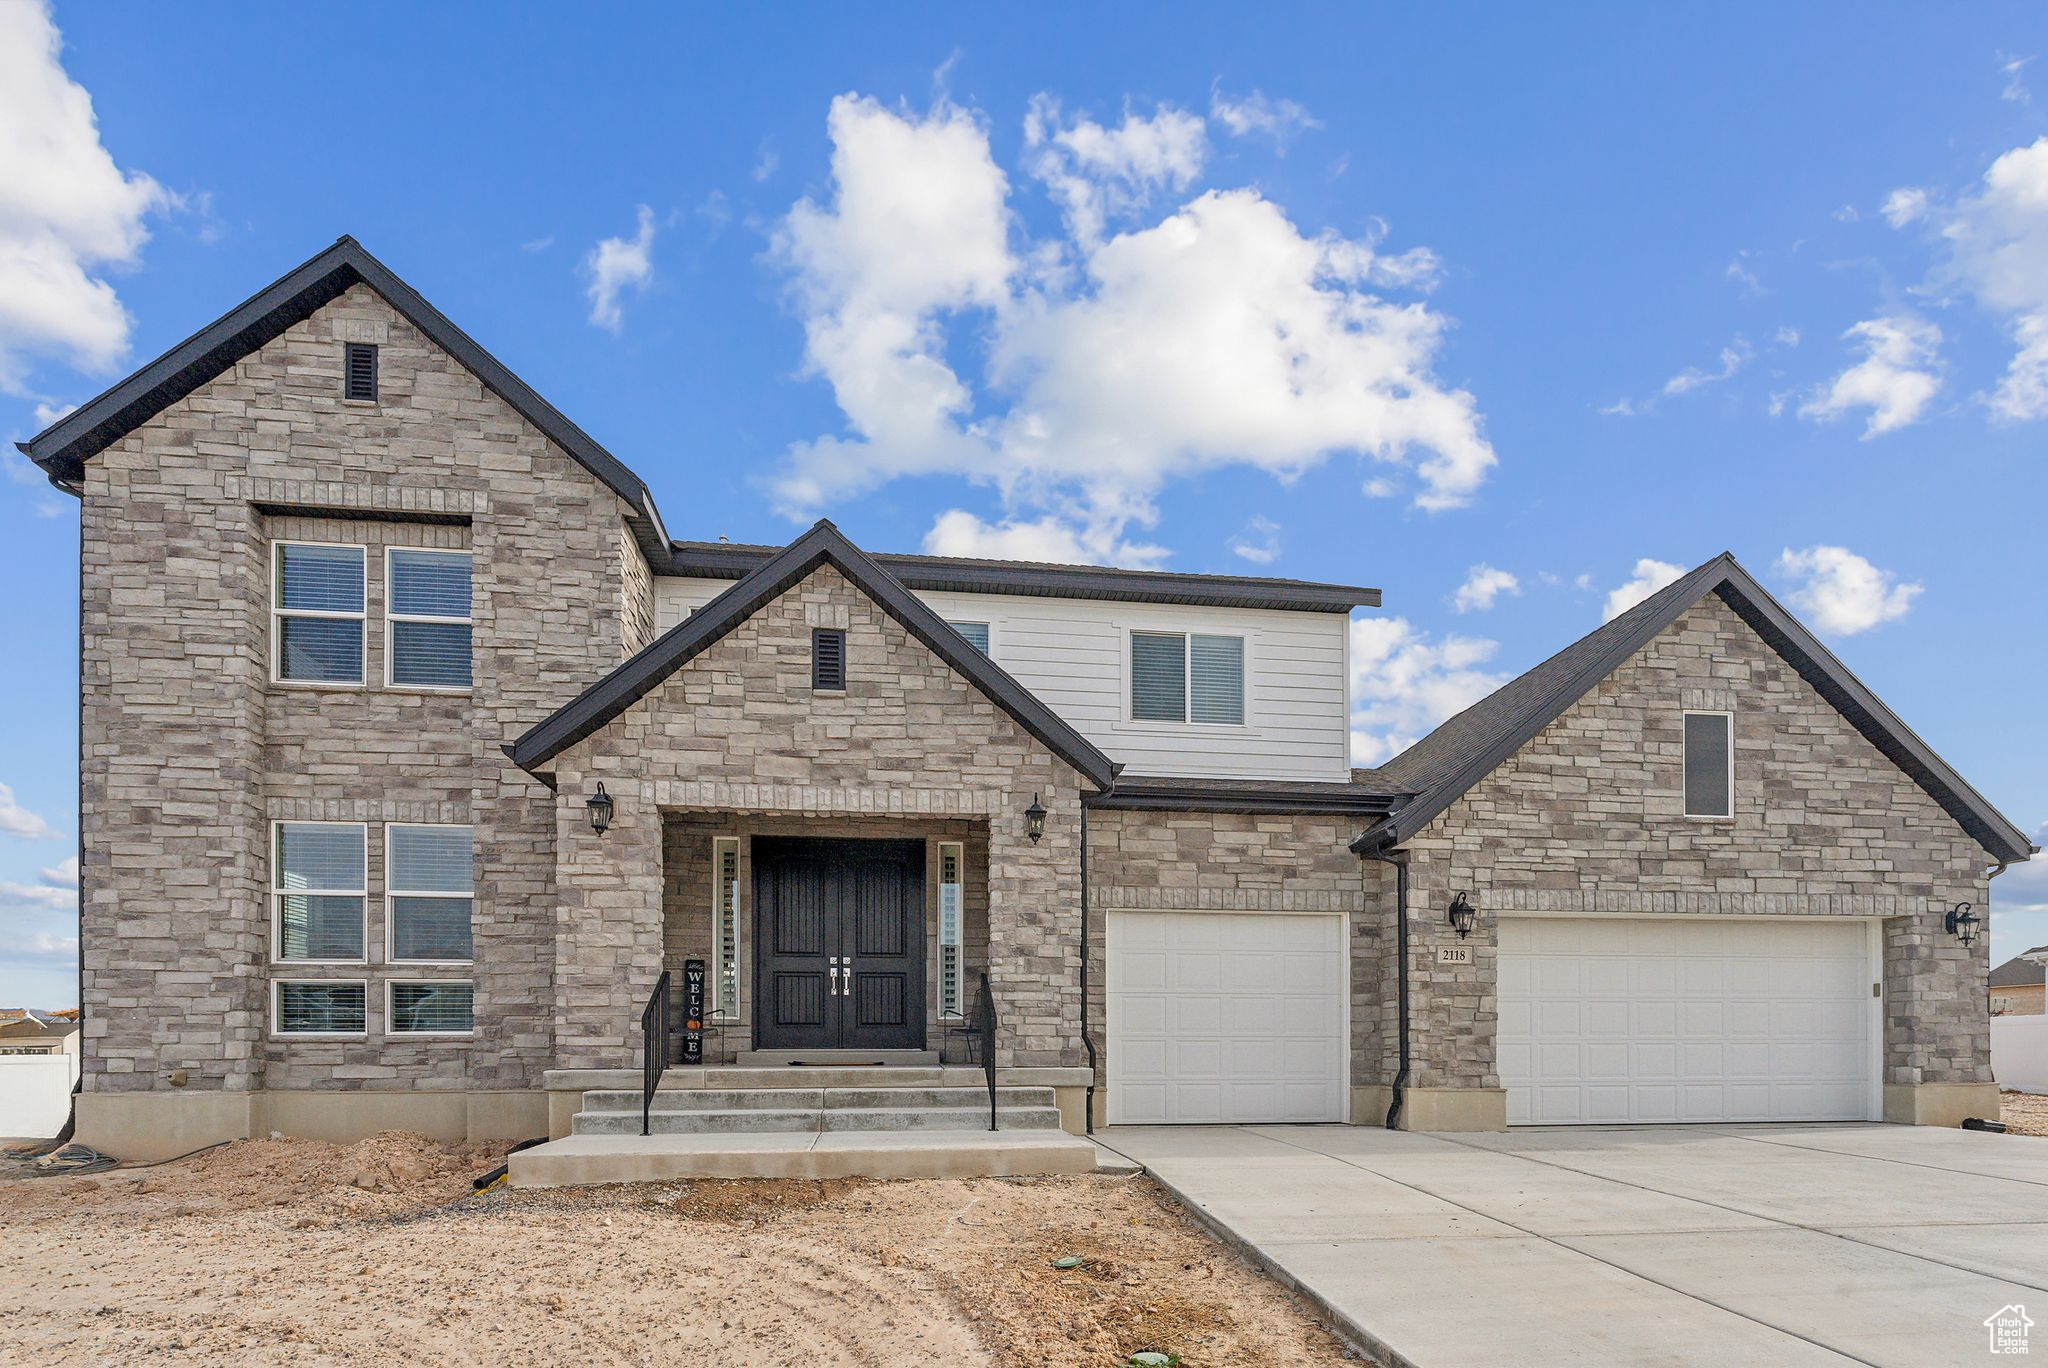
{"x": 1250, "y": 1029}
{"x": 1613, "y": 1020}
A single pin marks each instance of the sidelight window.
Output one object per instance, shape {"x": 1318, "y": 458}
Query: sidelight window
{"x": 952, "y": 912}
{"x": 725, "y": 928}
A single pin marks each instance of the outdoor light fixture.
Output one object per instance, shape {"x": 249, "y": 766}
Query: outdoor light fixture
{"x": 1963, "y": 923}
{"x": 600, "y": 806}
{"x": 1034, "y": 820}
{"x": 1463, "y": 914}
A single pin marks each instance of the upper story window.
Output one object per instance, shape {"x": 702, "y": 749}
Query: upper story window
{"x": 1709, "y": 764}
{"x": 1187, "y": 677}
{"x": 317, "y": 610}
{"x": 428, "y": 620}
{"x": 430, "y": 889}
{"x": 359, "y": 371}
{"x": 319, "y": 882}
{"x": 975, "y": 632}
{"x": 828, "y": 659}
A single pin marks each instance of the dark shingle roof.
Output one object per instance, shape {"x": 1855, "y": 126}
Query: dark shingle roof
{"x": 975, "y": 575}
{"x": 2021, "y": 972}
{"x": 1450, "y": 760}
{"x": 823, "y": 544}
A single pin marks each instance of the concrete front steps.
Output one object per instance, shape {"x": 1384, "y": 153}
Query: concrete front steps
{"x": 823, "y": 1121}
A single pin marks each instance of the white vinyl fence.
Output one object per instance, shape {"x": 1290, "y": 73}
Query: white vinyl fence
{"x": 35, "y": 1094}
{"x": 2019, "y": 1052}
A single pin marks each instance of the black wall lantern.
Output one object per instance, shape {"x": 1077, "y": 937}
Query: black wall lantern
{"x": 1034, "y": 820}
{"x": 1962, "y": 923}
{"x": 599, "y": 805}
{"x": 1463, "y": 914}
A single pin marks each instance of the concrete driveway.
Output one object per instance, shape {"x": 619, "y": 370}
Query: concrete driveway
{"x": 1680, "y": 1245}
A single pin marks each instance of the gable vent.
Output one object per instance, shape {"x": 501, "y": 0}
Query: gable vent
{"x": 828, "y": 658}
{"x": 360, "y": 371}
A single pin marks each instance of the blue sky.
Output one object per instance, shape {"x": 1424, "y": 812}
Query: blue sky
{"x": 1501, "y": 311}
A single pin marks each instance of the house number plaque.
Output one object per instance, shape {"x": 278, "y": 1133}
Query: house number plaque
{"x": 1454, "y": 954}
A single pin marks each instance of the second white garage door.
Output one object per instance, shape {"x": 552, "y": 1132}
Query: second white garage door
{"x": 1226, "y": 1017}
{"x": 1614, "y": 1021}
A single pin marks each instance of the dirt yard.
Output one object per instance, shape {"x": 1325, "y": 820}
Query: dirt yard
{"x": 2024, "y": 1114}
{"x": 291, "y": 1251}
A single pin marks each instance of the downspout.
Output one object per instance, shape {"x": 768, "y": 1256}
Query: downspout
{"x": 1087, "y": 1039}
{"x": 1399, "y": 860}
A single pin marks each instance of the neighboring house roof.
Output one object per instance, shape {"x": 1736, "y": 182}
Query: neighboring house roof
{"x": 19, "y": 1023}
{"x": 824, "y": 544}
{"x": 1443, "y": 765}
{"x": 63, "y": 448}
{"x": 959, "y": 574}
{"x": 2021, "y": 972}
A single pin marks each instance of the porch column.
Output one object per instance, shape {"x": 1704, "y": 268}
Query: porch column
{"x": 1034, "y": 929}
{"x": 607, "y": 919}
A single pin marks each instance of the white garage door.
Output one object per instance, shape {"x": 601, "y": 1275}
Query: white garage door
{"x": 1608, "y": 1021}
{"x": 1226, "y": 1016}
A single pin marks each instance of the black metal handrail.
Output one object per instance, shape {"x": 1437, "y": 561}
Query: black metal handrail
{"x": 653, "y": 1047}
{"x": 985, "y": 1026}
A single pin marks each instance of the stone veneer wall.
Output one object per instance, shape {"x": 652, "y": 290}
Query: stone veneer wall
{"x": 686, "y": 855}
{"x": 1225, "y": 862}
{"x": 739, "y": 728}
{"x": 189, "y": 751}
{"x": 1588, "y": 817}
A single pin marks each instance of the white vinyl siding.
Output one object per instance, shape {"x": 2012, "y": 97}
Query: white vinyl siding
{"x": 1074, "y": 655}
{"x": 319, "y": 891}
{"x": 317, "y": 613}
{"x": 430, "y": 887}
{"x": 427, "y": 619}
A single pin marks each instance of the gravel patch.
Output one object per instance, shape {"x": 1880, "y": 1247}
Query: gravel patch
{"x": 2023, "y": 1113}
{"x": 291, "y": 1251}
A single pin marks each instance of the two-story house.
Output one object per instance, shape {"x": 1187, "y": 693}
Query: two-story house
{"x": 414, "y": 750}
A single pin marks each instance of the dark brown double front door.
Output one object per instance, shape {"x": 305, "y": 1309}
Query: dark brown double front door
{"x": 838, "y": 944}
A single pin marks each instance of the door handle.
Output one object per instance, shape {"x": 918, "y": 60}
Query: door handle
{"x": 842, "y": 977}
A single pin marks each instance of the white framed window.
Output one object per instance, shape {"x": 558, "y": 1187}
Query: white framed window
{"x": 725, "y": 928}
{"x": 317, "y": 615}
{"x": 429, "y": 894}
{"x": 1187, "y": 677}
{"x": 952, "y": 914}
{"x": 327, "y": 1008}
{"x": 975, "y": 632}
{"x": 1710, "y": 765}
{"x": 429, "y": 1007}
{"x": 319, "y": 884}
{"x": 427, "y": 619}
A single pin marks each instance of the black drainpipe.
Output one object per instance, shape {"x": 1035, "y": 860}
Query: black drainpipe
{"x": 1087, "y": 1039}
{"x": 1399, "y": 860}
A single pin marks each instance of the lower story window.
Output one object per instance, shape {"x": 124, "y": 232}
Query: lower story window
{"x": 321, "y": 1009}
{"x": 319, "y": 886}
{"x": 433, "y": 1008}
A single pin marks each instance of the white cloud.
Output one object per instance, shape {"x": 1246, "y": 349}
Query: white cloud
{"x": 1842, "y": 592}
{"x": 38, "y": 895}
{"x": 1998, "y": 240}
{"x": 2014, "y": 71}
{"x": 16, "y": 820}
{"x": 1098, "y": 173}
{"x": 766, "y": 162}
{"x": 959, "y": 533}
{"x": 1847, "y": 214}
{"x": 1786, "y": 336}
{"x": 1744, "y": 278}
{"x": 616, "y": 265}
{"x": 1481, "y": 587}
{"x": 66, "y": 210}
{"x": 1896, "y": 379}
{"x": 1259, "y": 542}
{"x": 1907, "y": 204}
{"x": 1404, "y": 682}
{"x": 1650, "y": 576}
{"x": 48, "y": 413}
{"x": 1279, "y": 120}
{"x": 1218, "y": 336}
{"x": 64, "y": 874}
{"x": 1733, "y": 357}
{"x": 539, "y": 244}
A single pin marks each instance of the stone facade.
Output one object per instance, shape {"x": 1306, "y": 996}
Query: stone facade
{"x": 190, "y": 751}
{"x": 1588, "y": 817}
{"x": 738, "y": 729}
